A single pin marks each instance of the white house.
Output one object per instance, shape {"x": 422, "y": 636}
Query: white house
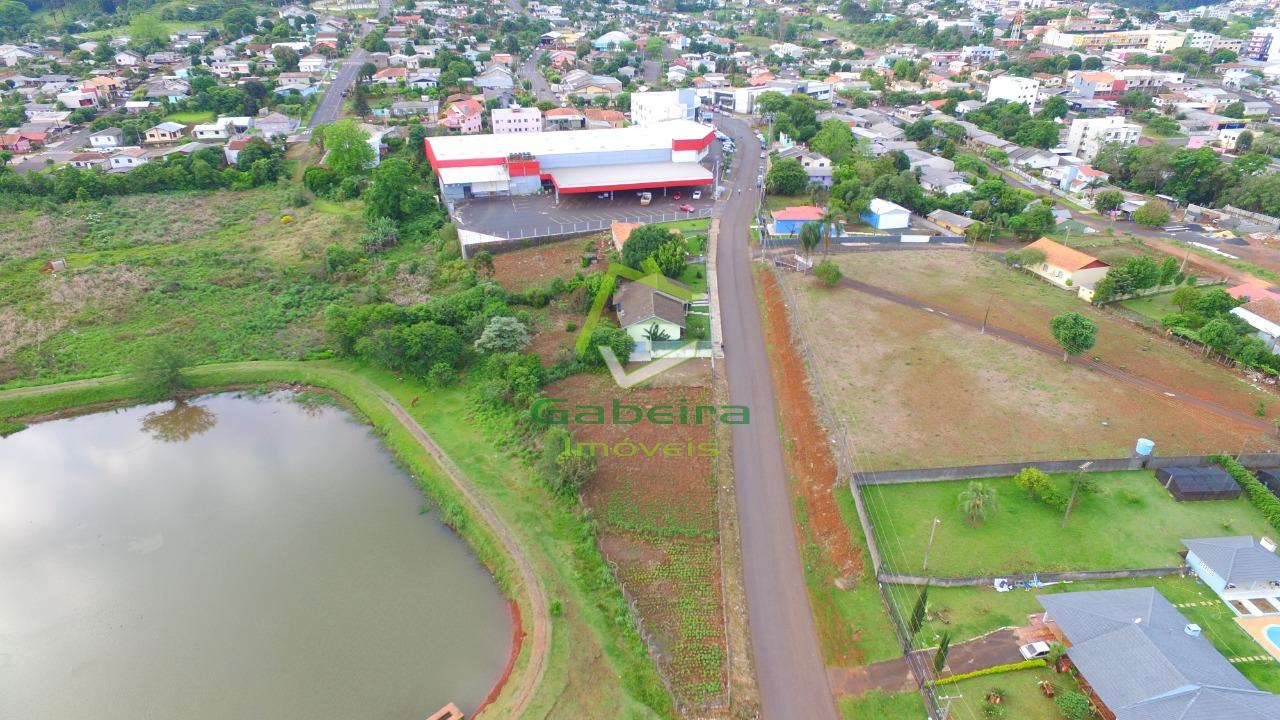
{"x": 884, "y": 215}
{"x": 647, "y": 313}
{"x": 516, "y": 120}
{"x": 1014, "y": 89}
{"x": 1067, "y": 267}
{"x": 107, "y": 138}
{"x": 312, "y": 64}
{"x": 1263, "y": 315}
{"x": 128, "y": 158}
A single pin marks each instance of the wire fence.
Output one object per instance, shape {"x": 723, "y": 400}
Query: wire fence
{"x": 565, "y": 229}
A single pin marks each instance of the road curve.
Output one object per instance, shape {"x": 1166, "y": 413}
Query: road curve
{"x": 523, "y": 684}
{"x": 784, "y": 638}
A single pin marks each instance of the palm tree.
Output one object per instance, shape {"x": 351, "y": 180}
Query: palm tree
{"x": 978, "y": 501}
{"x": 654, "y": 333}
{"x": 810, "y": 235}
{"x": 829, "y": 220}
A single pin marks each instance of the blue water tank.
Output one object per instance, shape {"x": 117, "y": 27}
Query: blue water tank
{"x": 1144, "y": 447}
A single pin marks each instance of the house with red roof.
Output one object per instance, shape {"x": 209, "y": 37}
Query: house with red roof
{"x": 465, "y": 116}
{"x": 1067, "y": 267}
{"x": 789, "y": 220}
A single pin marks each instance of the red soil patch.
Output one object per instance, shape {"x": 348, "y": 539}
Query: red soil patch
{"x": 522, "y": 269}
{"x": 812, "y": 470}
{"x": 517, "y": 641}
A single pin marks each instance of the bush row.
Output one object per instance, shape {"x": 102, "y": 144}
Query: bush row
{"x": 995, "y": 670}
{"x": 1261, "y": 497}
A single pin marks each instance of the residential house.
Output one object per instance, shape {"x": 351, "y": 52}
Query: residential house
{"x": 581, "y": 82}
{"x": 107, "y": 138}
{"x": 312, "y": 64}
{"x": 1263, "y": 315}
{"x": 129, "y": 58}
{"x": 1067, "y": 267}
{"x": 950, "y": 221}
{"x": 1143, "y": 660}
{"x": 220, "y": 129}
{"x": 16, "y": 143}
{"x": 1033, "y": 158}
{"x": 274, "y": 124}
{"x": 294, "y": 81}
{"x": 128, "y": 159}
{"x": 564, "y": 119}
{"x": 885, "y": 215}
{"x": 645, "y": 311}
{"x": 816, "y": 165}
{"x": 1240, "y": 569}
{"x": 790, "y": 220}
{"x": 598, "y": 118}
{"x": 231, "y": 151}
{"x": 611, "y": 40}
{"x": 464, "y": 116}
{"x": 494, "y": 77}
{"x": 1014, "y": 89}
{"x": 11, "y": 55}
{"x": 1252, "y": 291}
{"x": 80, "y": 97}
{"x": 88, "y": 160}
{"x": 165, "y": 132}
{"x": 390, "y": 76}
{"x": 946, "y": 183}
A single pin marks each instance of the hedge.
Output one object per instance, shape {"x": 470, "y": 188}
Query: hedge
{"x": 995, "y": 670}
{"x": 1262, "y": 498}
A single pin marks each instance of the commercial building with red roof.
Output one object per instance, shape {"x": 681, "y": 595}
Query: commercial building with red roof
{"x": 664, "y": 155}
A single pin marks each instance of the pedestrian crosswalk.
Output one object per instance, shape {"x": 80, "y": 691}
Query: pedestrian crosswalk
{"x": 1175, "y": 228}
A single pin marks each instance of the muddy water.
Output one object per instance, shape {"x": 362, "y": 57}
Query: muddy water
{"x": 233, "y": 558}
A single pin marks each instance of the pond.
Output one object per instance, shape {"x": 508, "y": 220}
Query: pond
{"x": 232, "y": 557}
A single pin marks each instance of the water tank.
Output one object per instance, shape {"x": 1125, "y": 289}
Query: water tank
{"x": 1192, "y": 629}
{"x": 1144, "y": 447}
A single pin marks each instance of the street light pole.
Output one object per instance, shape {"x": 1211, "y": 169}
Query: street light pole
{"x": 1074, "y": 487}
{"x": 933, "y": 530}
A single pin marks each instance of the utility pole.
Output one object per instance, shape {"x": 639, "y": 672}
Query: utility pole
{"x": 1185, "y": 258}
{"x": 986, "y": 315}
{"x": 929, "y": 547}
{"x": 1075, "y": 486}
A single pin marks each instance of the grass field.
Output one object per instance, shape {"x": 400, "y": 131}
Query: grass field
{"x": 1131, "y": 522}
{"x": 194, "y": 117}
{"x": 1152, "y": 307}
{"x": 969, "y": 612}
{"x": 1023, "y": 698}
{"x": 905, "y": 379}
{"x": 778, "y": 202}
{"x": 877, "y": 705}
{"x": 689, "y": 227}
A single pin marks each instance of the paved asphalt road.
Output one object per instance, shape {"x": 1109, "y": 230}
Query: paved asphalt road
{"x": 330, "y": 106}
{"x": 784, "y": 639}
{"x": 528, "y": 70}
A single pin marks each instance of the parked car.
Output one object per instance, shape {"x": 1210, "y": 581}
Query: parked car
{"x": 602, "y": 196}
{"x": 1032, "y": 651}
{"x": 686, "y": 207}
{"x": 675, "y": 196}
{"x": 697, "y": 194}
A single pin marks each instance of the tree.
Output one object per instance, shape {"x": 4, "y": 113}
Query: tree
{"x": 13, "y": 14}
{"x": 1074, "y": 332}
{"x": 918, "y": 611}
{"x": 828, "y": 273}
{"x": 810, "y": 236}
{"x": 238, "y": 21}
{"x": 643, "y": 242}
{"x": 1185, "y": 298}
{"x": 1153, "y": 213}
{"x": 1219, "y": 335}
{"x": 482, "y": 263}
{"x": 502, "y": 334}
{"x": 1054, "y": 107}
{"x": 977, "y": 501}
{"x": 159, "y": 370}
{"x": 367, "y": 70}
{"x": 1108, "y": 200}
{"x": 834, "y": 140}
{"x": 1244, "y": 141}
{"x": 655, "y": 333}
{"x": 389, "y": 191}
{"x": 670, "y": 257}
{"x": 975, "y": 232}
{"x": 614, "y": 338}
{"x": 1168, "y": 271}
{"x": 1234, "y": 110}
{"x": 349, "y": 153}
{"x": 286, "y": 58}
{"x": 944, "y": 648}
{"x": 787, "y": 177}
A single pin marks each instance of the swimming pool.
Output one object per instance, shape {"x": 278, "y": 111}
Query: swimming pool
{"x": 1273, "y": 634}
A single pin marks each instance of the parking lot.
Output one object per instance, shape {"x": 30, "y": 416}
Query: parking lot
{"x": 539, "y": 215}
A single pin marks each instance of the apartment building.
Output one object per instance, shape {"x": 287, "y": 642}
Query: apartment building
{"x": 1086, "y": 136}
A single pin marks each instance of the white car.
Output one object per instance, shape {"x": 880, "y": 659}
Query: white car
{"x": 1034, "y": 650}
{"x": 697, "y": 194}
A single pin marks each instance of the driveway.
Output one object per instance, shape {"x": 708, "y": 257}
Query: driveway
{"x": 891, "y": 676}
{"x": 784, "y": 640}
{"x": 537, "y": 215}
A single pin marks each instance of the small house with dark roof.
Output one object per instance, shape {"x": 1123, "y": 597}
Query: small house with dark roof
{"x": 1141, "y": 660}
{"x": 648, "y": 313}
{"x": 1240, "y": 569}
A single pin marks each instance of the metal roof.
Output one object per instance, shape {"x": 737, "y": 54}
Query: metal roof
{"x": 611, "y": 140}
{"x": 1238, "y": 559}
{"x": 1132, "y": 647}
{"x": 605, "y": 177}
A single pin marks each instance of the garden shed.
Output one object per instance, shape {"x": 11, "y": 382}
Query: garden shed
{"x": 1198, "y": 483}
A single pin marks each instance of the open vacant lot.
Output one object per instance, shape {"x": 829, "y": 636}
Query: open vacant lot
{"x": 1131, "y": 522}
{"x": 918, "y": 390}
{"x": 659, "y": 528}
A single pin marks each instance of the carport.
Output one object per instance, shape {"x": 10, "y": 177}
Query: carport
{"x": 639, "y": 176}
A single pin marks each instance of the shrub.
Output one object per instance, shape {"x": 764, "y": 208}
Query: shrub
{"x": 828, "y": 273}
{"x": 570, "y": 326}
{"x": 286, "y": 219}
{"x": 442, "y": 374}
{"x": 994, "y": 670}
{"x": 1073, "y": 705}
{"x": 1258, "y": 494}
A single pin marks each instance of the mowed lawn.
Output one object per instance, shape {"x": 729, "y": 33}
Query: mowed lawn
{"x": 193, "y": 117}
{"x": 878, "y": 705}
{"x": 1131, "y": 522}
{"x": 1023, "y": 698}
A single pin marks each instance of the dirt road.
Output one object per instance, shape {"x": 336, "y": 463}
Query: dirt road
{"x": 784, "y": 642}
